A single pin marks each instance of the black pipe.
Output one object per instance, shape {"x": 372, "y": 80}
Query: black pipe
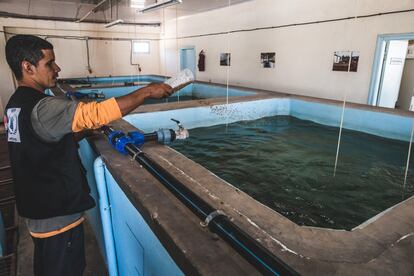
{"x": 296, "y": 24}
{"x": 150, "y": 137}
{"x": 249, "y": 248}
{"x": 159, "y": 136}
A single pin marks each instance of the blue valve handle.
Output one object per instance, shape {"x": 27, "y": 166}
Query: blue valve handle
{"x": 119, "y": 140}
{"x": 137, "y": 138}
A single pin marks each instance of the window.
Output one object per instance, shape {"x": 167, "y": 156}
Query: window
{"x": 141, "y": 47}
{"x": 137, "y": 4}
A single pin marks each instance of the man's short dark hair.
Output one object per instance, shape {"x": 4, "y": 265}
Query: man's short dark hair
{"x": 28, "y": 48}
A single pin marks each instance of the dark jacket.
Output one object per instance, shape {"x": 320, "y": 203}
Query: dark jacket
{"x": 49, "y": 179}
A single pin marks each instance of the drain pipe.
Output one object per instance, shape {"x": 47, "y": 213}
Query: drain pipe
{"x": 105, "y": 211}
{"x": 216, "y": 220}
{"x": 87, "y": 55}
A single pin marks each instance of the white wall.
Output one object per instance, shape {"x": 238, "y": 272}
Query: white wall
{"x": 304, "y": 54}
{"x": 407, "y": 85}
{"x": 106, "y": 57}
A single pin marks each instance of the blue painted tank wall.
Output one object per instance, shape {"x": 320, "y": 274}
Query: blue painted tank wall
{"x": 208, "y": 116}
{"x": 113, "y": 91}
{"x": 202, "y": 91}
{"x": 138, "y": 250}
{"x": 88, "y": 156}
{"x": 102, "y": 80}
{"x": 383, "y": 124}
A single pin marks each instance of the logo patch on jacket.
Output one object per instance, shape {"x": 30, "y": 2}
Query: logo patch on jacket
{"x": 13, "y": 134}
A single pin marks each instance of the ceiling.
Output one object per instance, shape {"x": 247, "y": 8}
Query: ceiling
{"x": 72, "y": 10}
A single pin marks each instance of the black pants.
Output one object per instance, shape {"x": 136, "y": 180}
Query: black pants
{"x": 60, "y": 255}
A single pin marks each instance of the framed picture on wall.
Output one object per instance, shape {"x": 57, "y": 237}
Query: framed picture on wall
{"x": 345, "y": 61}
{"x": 268, "y": 60}
{"x": 353, "y": 67}
{"x": 341, "y": 61}
{"x": 225, "y": 59}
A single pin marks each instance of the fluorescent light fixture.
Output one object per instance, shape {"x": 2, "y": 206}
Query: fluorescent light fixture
{"x": 113, "y": 23}
{"x": 93, "y": 10}
{"x": 160, "y": 5}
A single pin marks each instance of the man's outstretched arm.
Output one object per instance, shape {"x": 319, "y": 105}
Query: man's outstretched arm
{"x": 131, "y": 101}
{"x": 54, "y": 117}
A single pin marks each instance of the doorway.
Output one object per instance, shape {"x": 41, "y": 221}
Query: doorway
{"x": 188, "y": 59}
{"x": 386, "y": 89}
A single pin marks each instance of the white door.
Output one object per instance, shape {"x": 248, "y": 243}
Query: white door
{"x": 393, "y": 67}
{"x": 188, "y": 61}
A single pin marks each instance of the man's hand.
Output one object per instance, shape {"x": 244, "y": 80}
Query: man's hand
{"x": 131, "y": 101}
{"x": 159, "y": 91}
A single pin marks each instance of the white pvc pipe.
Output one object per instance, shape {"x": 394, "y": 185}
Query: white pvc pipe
{"x": 105, "y": 211}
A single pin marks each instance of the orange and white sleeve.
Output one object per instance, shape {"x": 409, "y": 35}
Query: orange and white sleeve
{"x": 92, "y": 115}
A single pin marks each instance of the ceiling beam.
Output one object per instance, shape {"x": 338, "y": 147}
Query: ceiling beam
{"x": 65, "y": 19}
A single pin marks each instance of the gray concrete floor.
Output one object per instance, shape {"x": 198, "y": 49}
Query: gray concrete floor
{"x": 95, "y": 265}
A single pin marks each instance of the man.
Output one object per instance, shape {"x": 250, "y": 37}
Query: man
{"x": 50, "y": 185}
